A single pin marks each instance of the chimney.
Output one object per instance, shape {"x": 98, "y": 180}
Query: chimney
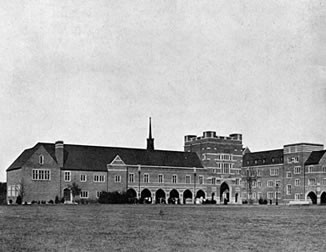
{"x": 59, "y": 149}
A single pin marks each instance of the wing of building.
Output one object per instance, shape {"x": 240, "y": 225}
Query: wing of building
{"x": 289, "y": 175}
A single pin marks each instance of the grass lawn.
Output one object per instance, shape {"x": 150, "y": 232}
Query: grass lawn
{"x": 179, "y": 228}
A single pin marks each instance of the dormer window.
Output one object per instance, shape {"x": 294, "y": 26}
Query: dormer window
{"x": 41, "y": 159}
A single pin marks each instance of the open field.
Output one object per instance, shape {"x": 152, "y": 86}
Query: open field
{"x": 177, "y": 228}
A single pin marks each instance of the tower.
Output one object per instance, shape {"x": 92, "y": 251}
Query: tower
{"x": 150, "y": 140}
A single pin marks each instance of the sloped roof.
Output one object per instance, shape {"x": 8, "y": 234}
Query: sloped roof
{"x": 85, "y": 157}
{"x": 26, "y": 154}
{"x": 315, "y": 157}
{"x": 263, "y": 158}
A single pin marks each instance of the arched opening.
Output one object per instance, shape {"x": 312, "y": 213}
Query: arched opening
{"x": 174, "y": 197}
{"x": 146, "y": 196}
{"x": 131, "y": 195}
{"x": 160, "y": 196}
{"x": 236, "y": 197}
{"x": 323, "y": 198}
{"x": 67, "y": 194}
{"x": 313, "y": 197}
{"x": 224, "y": 193}
{"x": 187, "y": 197}
{"x": 200, "y": 194}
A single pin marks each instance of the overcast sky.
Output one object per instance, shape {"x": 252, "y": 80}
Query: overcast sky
{"x": 92, "y": 72}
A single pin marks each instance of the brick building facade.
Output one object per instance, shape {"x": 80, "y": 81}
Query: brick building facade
{"x": 222, "y": 157}
{"x": 48, "y": 170}
{"x": 295, "y": 173}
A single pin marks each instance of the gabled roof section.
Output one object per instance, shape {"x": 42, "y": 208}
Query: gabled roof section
{"x": 263, "y": 158}
{"x": 96, "y": 158}
{"x": 117, "y": 161}
{"x": 26, "y": 154}
{"x": 315, "y": 157}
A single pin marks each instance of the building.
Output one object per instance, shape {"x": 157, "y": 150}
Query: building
{"x": 47, "y": 171}
{"x": 295, "y": 173}
{"x": 222, "y": 157}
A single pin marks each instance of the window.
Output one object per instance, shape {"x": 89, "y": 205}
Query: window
{"x": 288, "y": 189}
{"x": 274, "y": 172}
{"x": 324, "y": 169}
{"x": 312, "y": 181}
{"x": 258, "y": 183}
{"x": 131, "y": 177}
{"x": 117, "y": 179}
{"x": 270, "y": 195}
{"x": 270, "y": 183}
{"x": 237, "y": 181}
{"x": 213, "y": 181}
{"x": 254, "y": 195}
{"x": 297, "y": 196}
{"x": 83, "y": 177}
{"x": 293, "y": 160}
{"x": 258, "y": 172}
{"x": 201, "y": 180}
{"x": 278, "y": 183}
{"x": 259, "y": 195}
{"x": 13, "y": 190}
{"x": 254, "y": 184}
{"x": 84, "y": 194}
{"x": 67, "y": 176}
{"x": 218, "y": 157}
{"x": 324, "y": 181}
{"x": 310, "y": 169}
{"x": 264, "y": 160}
{"x": 146, "y": 178}
{"x": 98, "y": 194}
{"x": 288, "y": 174}
{"x": 297, "y": 182}
{"x": 99, "y": 178}
{"x": 41, "y": 174}
{"x": 174, "y": 179}
{"x": 188, "y": 179}
{"x": 256, "y": 161}
{"x": 277, "y": 195}
{"x": 160, "y": 178}
{"x": 225, "y": 168}
{"x": 297, "y": 170}
{"x": 41, "y": 159}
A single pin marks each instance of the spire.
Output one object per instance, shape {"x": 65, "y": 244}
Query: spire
{"x": 150, "y": 140}
{"x": 150, "y": 128}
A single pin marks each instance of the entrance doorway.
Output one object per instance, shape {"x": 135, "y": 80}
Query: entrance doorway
{"x": 187, "y": 197}
{"x": 313, "y": 197}
{"x": 160, "y": 196}
{"x": 323, "y": 198}
{"x": 146, "y": 196}
{"x": 67, "y": 195}
{"x": 174, "y": 197}
{"x": 224, "y": 193}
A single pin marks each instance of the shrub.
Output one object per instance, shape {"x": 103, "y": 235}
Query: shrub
{"x": 245, "y": 202}
{"x": 57, "y": 201}
{"x": 34, "y": 202}
{"x": 262, "y": 201}
{"x": 62, "y": 200}
{"x": 50, "y": 202}
{"x": 10, "y": 201}
{"x": 113, "y": 198}
{"x": 19, "y": 200}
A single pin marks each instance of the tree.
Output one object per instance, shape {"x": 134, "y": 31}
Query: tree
{"x": 3, "y": 193}
{"x": 250, "y": 176}
{"x": 75, "y": 190}
{"x": 21, "y": 189}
